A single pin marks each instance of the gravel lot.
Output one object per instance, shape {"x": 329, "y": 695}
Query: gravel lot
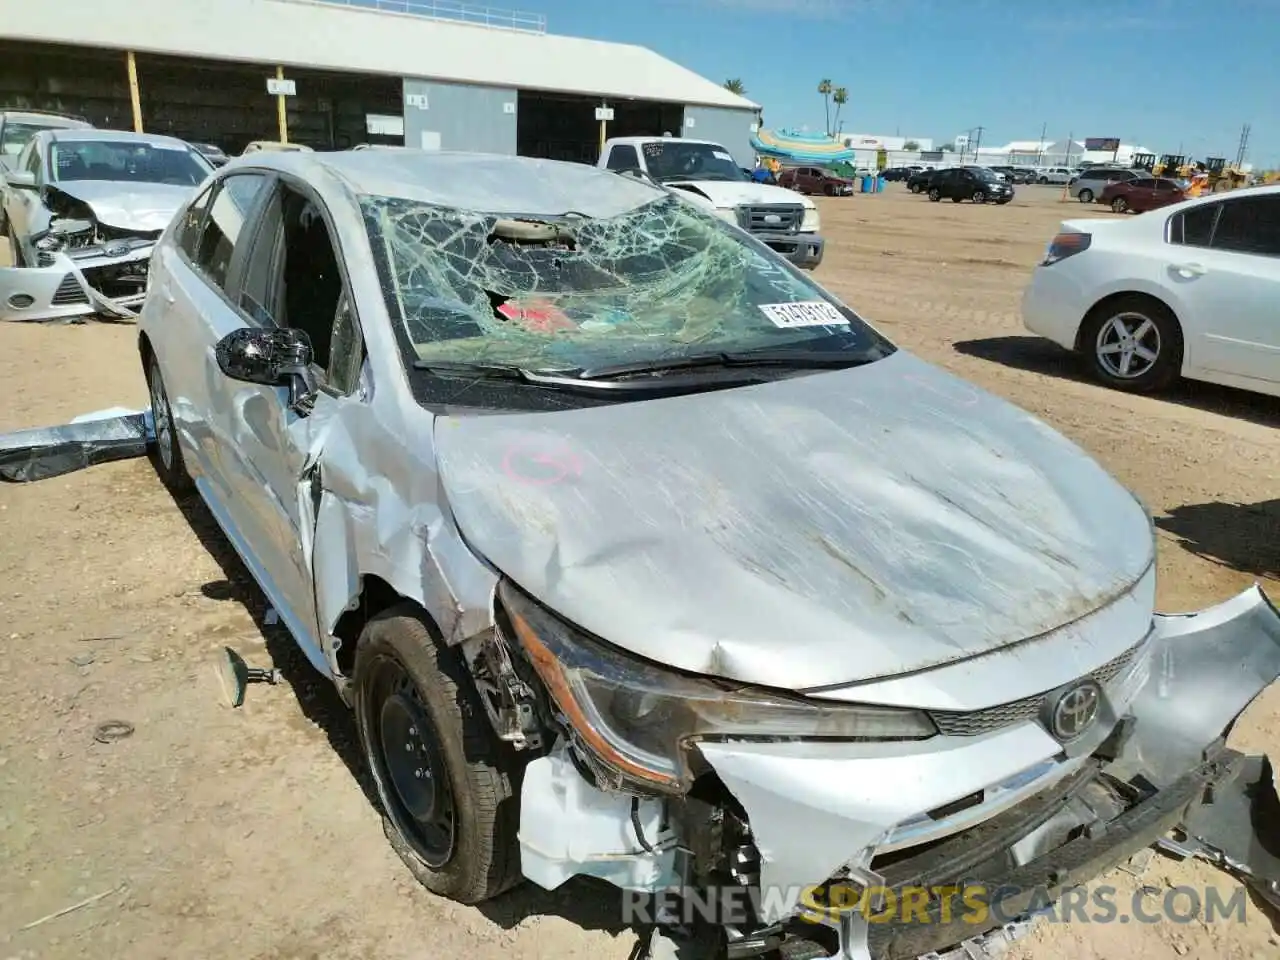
{"x": 249, "y": 834}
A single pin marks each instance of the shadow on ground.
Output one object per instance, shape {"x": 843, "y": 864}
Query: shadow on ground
{"x": 1242, "y": 536}
{"x": 589, "y": 904}
{"x": 1037, "y": 355}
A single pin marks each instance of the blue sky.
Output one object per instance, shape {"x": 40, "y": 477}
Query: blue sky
{"x": 1161, "y": 73}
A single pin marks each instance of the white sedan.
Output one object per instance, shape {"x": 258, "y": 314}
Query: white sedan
{"x": 1188, "y": 290}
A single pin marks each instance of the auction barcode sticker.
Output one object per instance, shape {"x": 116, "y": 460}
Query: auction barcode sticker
{"x": 804, "y": 313}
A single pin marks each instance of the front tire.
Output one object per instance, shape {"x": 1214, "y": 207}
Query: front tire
{"x": 979, "y": 197}
{"x": 1133, "y": 343}
{"x": 449, "y": 788}
{"x": 1043, "y": 181}
{"x": 166, "y": 454}
{"x": 1085, "y": 196}
{"x": 1120, "y": 205}
{"x": 915, "y": 188}
{"x": 935, "y": 194}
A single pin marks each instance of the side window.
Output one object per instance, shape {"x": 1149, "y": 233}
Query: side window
{"x": 222, "y": 227}
{"x": 623, "y": 156}
{"x": 32, "y": 164}
{"x": 304, "y": 287}
{"x": 189, "y": 230}
{"x": 347, "y": 349}
{"x": 1249, "y": 225}
{"x": 1194, "y": 227}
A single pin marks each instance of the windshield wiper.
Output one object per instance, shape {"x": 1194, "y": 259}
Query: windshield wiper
{"x": 752, "y": 358}
{"x": 572, "y": 380}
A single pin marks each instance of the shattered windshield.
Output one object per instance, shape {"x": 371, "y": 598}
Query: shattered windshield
{"x": 683, "y": 160}
{"x": 656, "y": 283}
{"x": 128, "y": 162}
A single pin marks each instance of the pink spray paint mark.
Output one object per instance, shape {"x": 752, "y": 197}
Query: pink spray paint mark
{"x": 540, "y": 466}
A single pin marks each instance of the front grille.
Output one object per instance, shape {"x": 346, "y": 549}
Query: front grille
{"x": 68, "y": 293}
{"x": 771, "y": 217}
{"x": 118, "y": 279}
{"x": 972, "y": 723}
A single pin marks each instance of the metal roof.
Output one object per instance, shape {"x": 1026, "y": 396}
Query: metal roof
{"x": 325, "y": 36}
{"x": 467, "y": 181}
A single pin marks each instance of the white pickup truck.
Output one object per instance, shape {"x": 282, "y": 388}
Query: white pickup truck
{"x": 705, "y": 173}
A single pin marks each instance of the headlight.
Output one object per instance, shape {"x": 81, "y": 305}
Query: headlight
{"x": 812, "y": 222}
{"x": 640, "y": 718}
{"x": 728, "y": 213}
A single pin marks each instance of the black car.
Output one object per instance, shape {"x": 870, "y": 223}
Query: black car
{"x": 212, "y": 152}
{"x": 919, "y": 181}
{"x": 894, "y": 174}
{"x": 965, "y": 183}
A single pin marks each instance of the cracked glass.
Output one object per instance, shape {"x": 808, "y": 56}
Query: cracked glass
{"x": 657, "y": 282}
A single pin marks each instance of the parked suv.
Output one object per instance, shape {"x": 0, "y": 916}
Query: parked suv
{"x": 815, "y": 180}
{"x": 919, "y": 181}
{"x": 1093, "y": 181}
{"x": 970, "y": 183}
{"x": 1053, "y": 175}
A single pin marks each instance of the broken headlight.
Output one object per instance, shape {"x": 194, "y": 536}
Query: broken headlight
{"x": 640, "y": 718}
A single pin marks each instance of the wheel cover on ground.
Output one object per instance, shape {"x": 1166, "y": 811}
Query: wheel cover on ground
{"x": 1128, "y": 345}
{"x": 160, "y": 416}
{"x": 405, "y": 748}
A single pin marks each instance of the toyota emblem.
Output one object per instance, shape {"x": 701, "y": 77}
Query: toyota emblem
{"x": 1074, "y": 710}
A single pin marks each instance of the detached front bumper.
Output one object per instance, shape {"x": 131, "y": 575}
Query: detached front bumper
{"x": 805, "y": 250}
{"x": 72, "y": 286}
{"x": 904, "y": 822}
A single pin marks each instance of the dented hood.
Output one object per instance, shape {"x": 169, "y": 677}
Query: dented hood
{"x": 144, "y": 207}
{"x": 816, "y": 530}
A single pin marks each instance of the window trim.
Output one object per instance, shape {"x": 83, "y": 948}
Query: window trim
{"x": 1217, "y": 222}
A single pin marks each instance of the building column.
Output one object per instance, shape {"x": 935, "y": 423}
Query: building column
{"x": 135, "y": 96}
{"x": 282, "y": 113}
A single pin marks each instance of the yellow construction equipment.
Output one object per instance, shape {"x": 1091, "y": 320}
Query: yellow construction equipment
{"x": 1173, "y": 165}
{"x": 1223, "y": 177}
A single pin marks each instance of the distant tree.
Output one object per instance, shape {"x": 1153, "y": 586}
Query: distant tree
{"x": 911, "y": 145}
{"x": 736, "y": 86}
{"x": 824, "y": 88}
{"x": 840, "y": 96}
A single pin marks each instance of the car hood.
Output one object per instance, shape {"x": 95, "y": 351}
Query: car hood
{"x": 144, "y": 207}
{"x": 816, "y": 530}
{"x": 733, "y": 193}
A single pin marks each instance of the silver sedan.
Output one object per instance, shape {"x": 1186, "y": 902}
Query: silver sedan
{"x": 641, "y": 556}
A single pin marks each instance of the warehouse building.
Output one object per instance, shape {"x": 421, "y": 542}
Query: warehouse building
{"x": 331, "y": 74}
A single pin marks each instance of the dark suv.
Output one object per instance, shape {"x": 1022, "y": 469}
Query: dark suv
{"x": 919, "y": 181}
{"x": 967, "y": 183}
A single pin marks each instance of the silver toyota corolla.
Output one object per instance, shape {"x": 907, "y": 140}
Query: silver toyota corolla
{"x": 640, "y": 556}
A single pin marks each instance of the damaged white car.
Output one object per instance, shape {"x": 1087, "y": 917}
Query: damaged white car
{"x": 83, "y": 209}
{"x": 640, "y": 556}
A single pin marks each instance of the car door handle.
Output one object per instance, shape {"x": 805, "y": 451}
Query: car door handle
{"x": 1189, "y": 269}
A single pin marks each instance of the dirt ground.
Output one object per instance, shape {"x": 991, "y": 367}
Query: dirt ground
{"x": 250, "y": 834}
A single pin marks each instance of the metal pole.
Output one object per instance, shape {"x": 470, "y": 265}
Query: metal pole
{"x": 282, "y": 113}
{"x": 135, "y": 94}
{"x": 603, "y": 130}
{"x": 1044, "y": 129}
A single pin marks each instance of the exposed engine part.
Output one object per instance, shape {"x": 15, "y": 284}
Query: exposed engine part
{"x": 510, "y": 700}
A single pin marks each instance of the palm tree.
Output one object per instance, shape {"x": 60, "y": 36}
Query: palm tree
{"x": 839, "y": 97}
{"x": 735, "y": 86}
{"x": 824, "y": 88}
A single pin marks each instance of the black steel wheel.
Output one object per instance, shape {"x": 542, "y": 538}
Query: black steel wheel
{"x": 449, "y": 788}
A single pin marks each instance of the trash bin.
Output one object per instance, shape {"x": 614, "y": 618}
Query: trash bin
{"x": 868, "y": 184}
{"x": 879, "y": 184}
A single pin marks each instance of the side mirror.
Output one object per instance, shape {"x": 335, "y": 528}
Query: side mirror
{"x": 272, "y": 358}
{"x": 20, "y": 179}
